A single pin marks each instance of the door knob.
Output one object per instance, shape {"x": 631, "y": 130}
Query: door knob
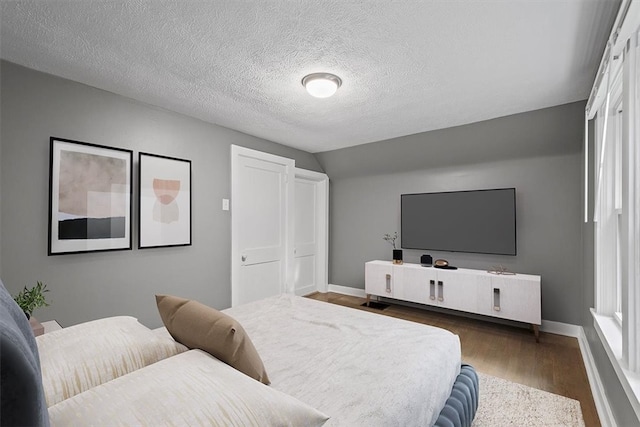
{"x": 244, "y": 258}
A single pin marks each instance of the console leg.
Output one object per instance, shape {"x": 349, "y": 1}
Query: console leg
{"x": 536, "y": 332}
{"x": 368, "y": 299}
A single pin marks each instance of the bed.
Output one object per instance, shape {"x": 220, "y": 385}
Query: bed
{"x": 361, "y": 368}
{"x": 327, "y": 365}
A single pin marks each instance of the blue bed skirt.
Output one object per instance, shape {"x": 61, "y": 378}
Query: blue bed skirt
{"x": 462, "y": 404}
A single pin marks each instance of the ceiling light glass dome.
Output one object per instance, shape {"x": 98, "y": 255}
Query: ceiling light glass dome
{"x": 321, "y": 85}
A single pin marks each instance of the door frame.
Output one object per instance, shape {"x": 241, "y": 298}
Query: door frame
{"x": 321, "y": 181}
{"x": 238, "y": 152}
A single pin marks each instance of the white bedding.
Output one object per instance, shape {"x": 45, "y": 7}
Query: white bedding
{"x": 360, "y": 368}
{"x": 83, "y": 356}
{"x": 190, "y": 389}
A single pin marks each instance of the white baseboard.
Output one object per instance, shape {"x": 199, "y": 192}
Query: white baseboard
{"x": 305, "y": 291}
{"x": 346, "y": 290}
{"x": 597, "y": 389}
{"x": 560, "y": 328}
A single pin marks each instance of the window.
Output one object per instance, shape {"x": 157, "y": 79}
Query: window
{"x": 617, "y": 142}
{"x": 608, "y": 207}
{"x": 614, "y": 106}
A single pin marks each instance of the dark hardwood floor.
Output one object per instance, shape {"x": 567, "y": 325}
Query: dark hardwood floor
{"x": 554, "y": 364}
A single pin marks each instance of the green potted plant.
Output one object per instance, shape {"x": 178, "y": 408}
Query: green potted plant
{"x": 30, "y": 299}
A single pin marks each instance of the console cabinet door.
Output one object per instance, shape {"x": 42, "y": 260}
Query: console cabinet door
{"x": 485, "y": 296}
{"x": 457, "y": 290}
{"x": 379, "y": 279}
{"x": 416, "y": 285}
{"x": 516, "y": 298}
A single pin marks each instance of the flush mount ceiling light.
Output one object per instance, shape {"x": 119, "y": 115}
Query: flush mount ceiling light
{"x": 321, "y": 85}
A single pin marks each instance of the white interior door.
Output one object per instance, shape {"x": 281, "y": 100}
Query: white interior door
{"x": 310, "y": 232}
{"x": 261, "y": 226}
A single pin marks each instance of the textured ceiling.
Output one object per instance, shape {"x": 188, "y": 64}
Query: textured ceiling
{"x": 407, "y": 66}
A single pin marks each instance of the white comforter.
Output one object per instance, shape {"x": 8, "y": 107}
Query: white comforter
{"x": 360, "y": 368}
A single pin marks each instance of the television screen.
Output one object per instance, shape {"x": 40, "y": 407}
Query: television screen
{"x": 480, "y": 221}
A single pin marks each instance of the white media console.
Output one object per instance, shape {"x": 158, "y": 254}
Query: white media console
{"x": 506, "y": 296}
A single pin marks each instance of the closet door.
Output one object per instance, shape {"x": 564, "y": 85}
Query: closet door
{"x": 310, "y": 232}
{"x": 261, "y": 225}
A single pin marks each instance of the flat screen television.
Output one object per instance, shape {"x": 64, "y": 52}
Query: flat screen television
{"x": 479, "y": 221}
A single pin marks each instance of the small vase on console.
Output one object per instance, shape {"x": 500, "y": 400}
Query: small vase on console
{"x": 397, "y": 253}
{"x": 397, "y": 256}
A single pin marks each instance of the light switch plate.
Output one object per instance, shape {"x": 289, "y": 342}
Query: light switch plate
{"x": 225, "y": 204}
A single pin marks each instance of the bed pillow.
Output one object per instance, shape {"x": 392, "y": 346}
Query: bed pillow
{"x": 192, "y": 388}
{"x": 80, "y": 357}
{"x": 199, "y": 326}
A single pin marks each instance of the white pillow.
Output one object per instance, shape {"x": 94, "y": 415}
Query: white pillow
{"x": 77, "y": 358}
{"x": 190, "y": 389}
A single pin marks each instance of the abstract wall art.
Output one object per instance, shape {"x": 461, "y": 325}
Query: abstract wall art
{"x": 165, "y": 201}
{"x": 89, "y": 197}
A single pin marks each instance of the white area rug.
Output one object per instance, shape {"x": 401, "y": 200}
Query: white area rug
{"x": 505, "y": 403}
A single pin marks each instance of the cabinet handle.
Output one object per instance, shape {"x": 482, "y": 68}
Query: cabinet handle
{"x": 388, "y": 283}
{"x": 496, "y": 299}
{"x": 432, "y": 289}
{"x": 440, "y": 290}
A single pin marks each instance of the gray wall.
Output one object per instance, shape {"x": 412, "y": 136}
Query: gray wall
{"x": 546, "y": 132}
{"x": 366, "y": 183}
{"x": 35, "y": 106}
{"x": 0, "y": 177}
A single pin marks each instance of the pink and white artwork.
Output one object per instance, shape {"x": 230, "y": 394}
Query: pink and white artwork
{"x": 165, "y": 201}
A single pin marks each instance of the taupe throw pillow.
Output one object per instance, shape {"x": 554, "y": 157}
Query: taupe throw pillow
{"x": 196, "y": 325}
